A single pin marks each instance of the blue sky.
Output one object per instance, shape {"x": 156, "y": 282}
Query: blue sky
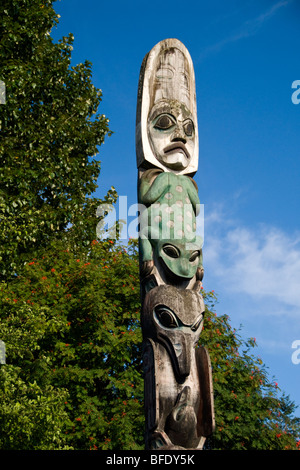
{"x": 246, "y": 58}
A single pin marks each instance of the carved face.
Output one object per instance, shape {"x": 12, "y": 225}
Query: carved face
{"x": 172, "y": 134}
{"x": 180, "y": 259}
{"x": 166, "y": 127}
{"x": 174, "y": 317}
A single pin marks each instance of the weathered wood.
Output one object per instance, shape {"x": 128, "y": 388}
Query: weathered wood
{"x": 166, "y": 85}
{"x": 177, "y": 372}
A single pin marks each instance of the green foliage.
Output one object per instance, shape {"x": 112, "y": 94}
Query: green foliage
{"x": 30, "y": 415}
{"x": 50, "y": 133}
{"x": 72, "y": 324}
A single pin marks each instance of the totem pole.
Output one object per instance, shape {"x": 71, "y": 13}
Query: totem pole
{"x": 177, "y": 373}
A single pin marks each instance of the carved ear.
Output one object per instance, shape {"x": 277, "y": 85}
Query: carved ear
{"x": 194, "y": 182}
{"x": 151, "y": 174}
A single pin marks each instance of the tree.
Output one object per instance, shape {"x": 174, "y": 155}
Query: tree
{"x": 31, "y": 415}
{"x": 50, "y": 132}
{"x": 71, "y": 329}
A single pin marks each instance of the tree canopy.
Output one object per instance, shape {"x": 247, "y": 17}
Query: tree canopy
{"x": 50, "y": 133}
{"x": 70, "y": 326}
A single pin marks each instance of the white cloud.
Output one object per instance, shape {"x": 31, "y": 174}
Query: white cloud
{"x": 255, "y": 271}
{"x": 262, "y": 262}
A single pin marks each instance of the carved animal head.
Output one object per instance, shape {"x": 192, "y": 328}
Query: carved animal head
{"x": 174, "y": 317}
{"x": 179, "y": 259}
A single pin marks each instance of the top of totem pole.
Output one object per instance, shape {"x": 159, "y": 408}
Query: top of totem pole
{"x": 166, "y": 123}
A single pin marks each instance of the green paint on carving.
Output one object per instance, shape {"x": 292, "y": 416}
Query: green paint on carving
{"x": 169, "y": 223}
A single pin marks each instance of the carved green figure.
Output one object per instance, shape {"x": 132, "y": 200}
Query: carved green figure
{"x": 168, "y": 225}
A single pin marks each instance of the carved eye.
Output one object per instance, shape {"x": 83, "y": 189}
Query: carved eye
{"x": 197, "y": 323}
{"x": 166, "y": 317}
{"x": 171, "y": 251}
{"x": 165, "y": 121}
{"x": 188, "y": 127}
{"x": 194, "y": 256}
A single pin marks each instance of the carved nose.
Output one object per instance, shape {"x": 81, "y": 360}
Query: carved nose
{"x": 179, "y": 135}
{"x": 184, "y": 265}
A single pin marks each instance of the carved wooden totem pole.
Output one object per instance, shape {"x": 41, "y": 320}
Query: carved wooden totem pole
{"x": 177, "y": 372}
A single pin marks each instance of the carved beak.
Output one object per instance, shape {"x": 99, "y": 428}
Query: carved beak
{"x": 179, "y": 346}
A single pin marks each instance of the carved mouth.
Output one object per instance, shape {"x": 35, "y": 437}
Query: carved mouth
{"x": 177, "y": 147}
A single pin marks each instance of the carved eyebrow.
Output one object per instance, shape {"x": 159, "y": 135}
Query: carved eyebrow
{"x": 164, "y": 109}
